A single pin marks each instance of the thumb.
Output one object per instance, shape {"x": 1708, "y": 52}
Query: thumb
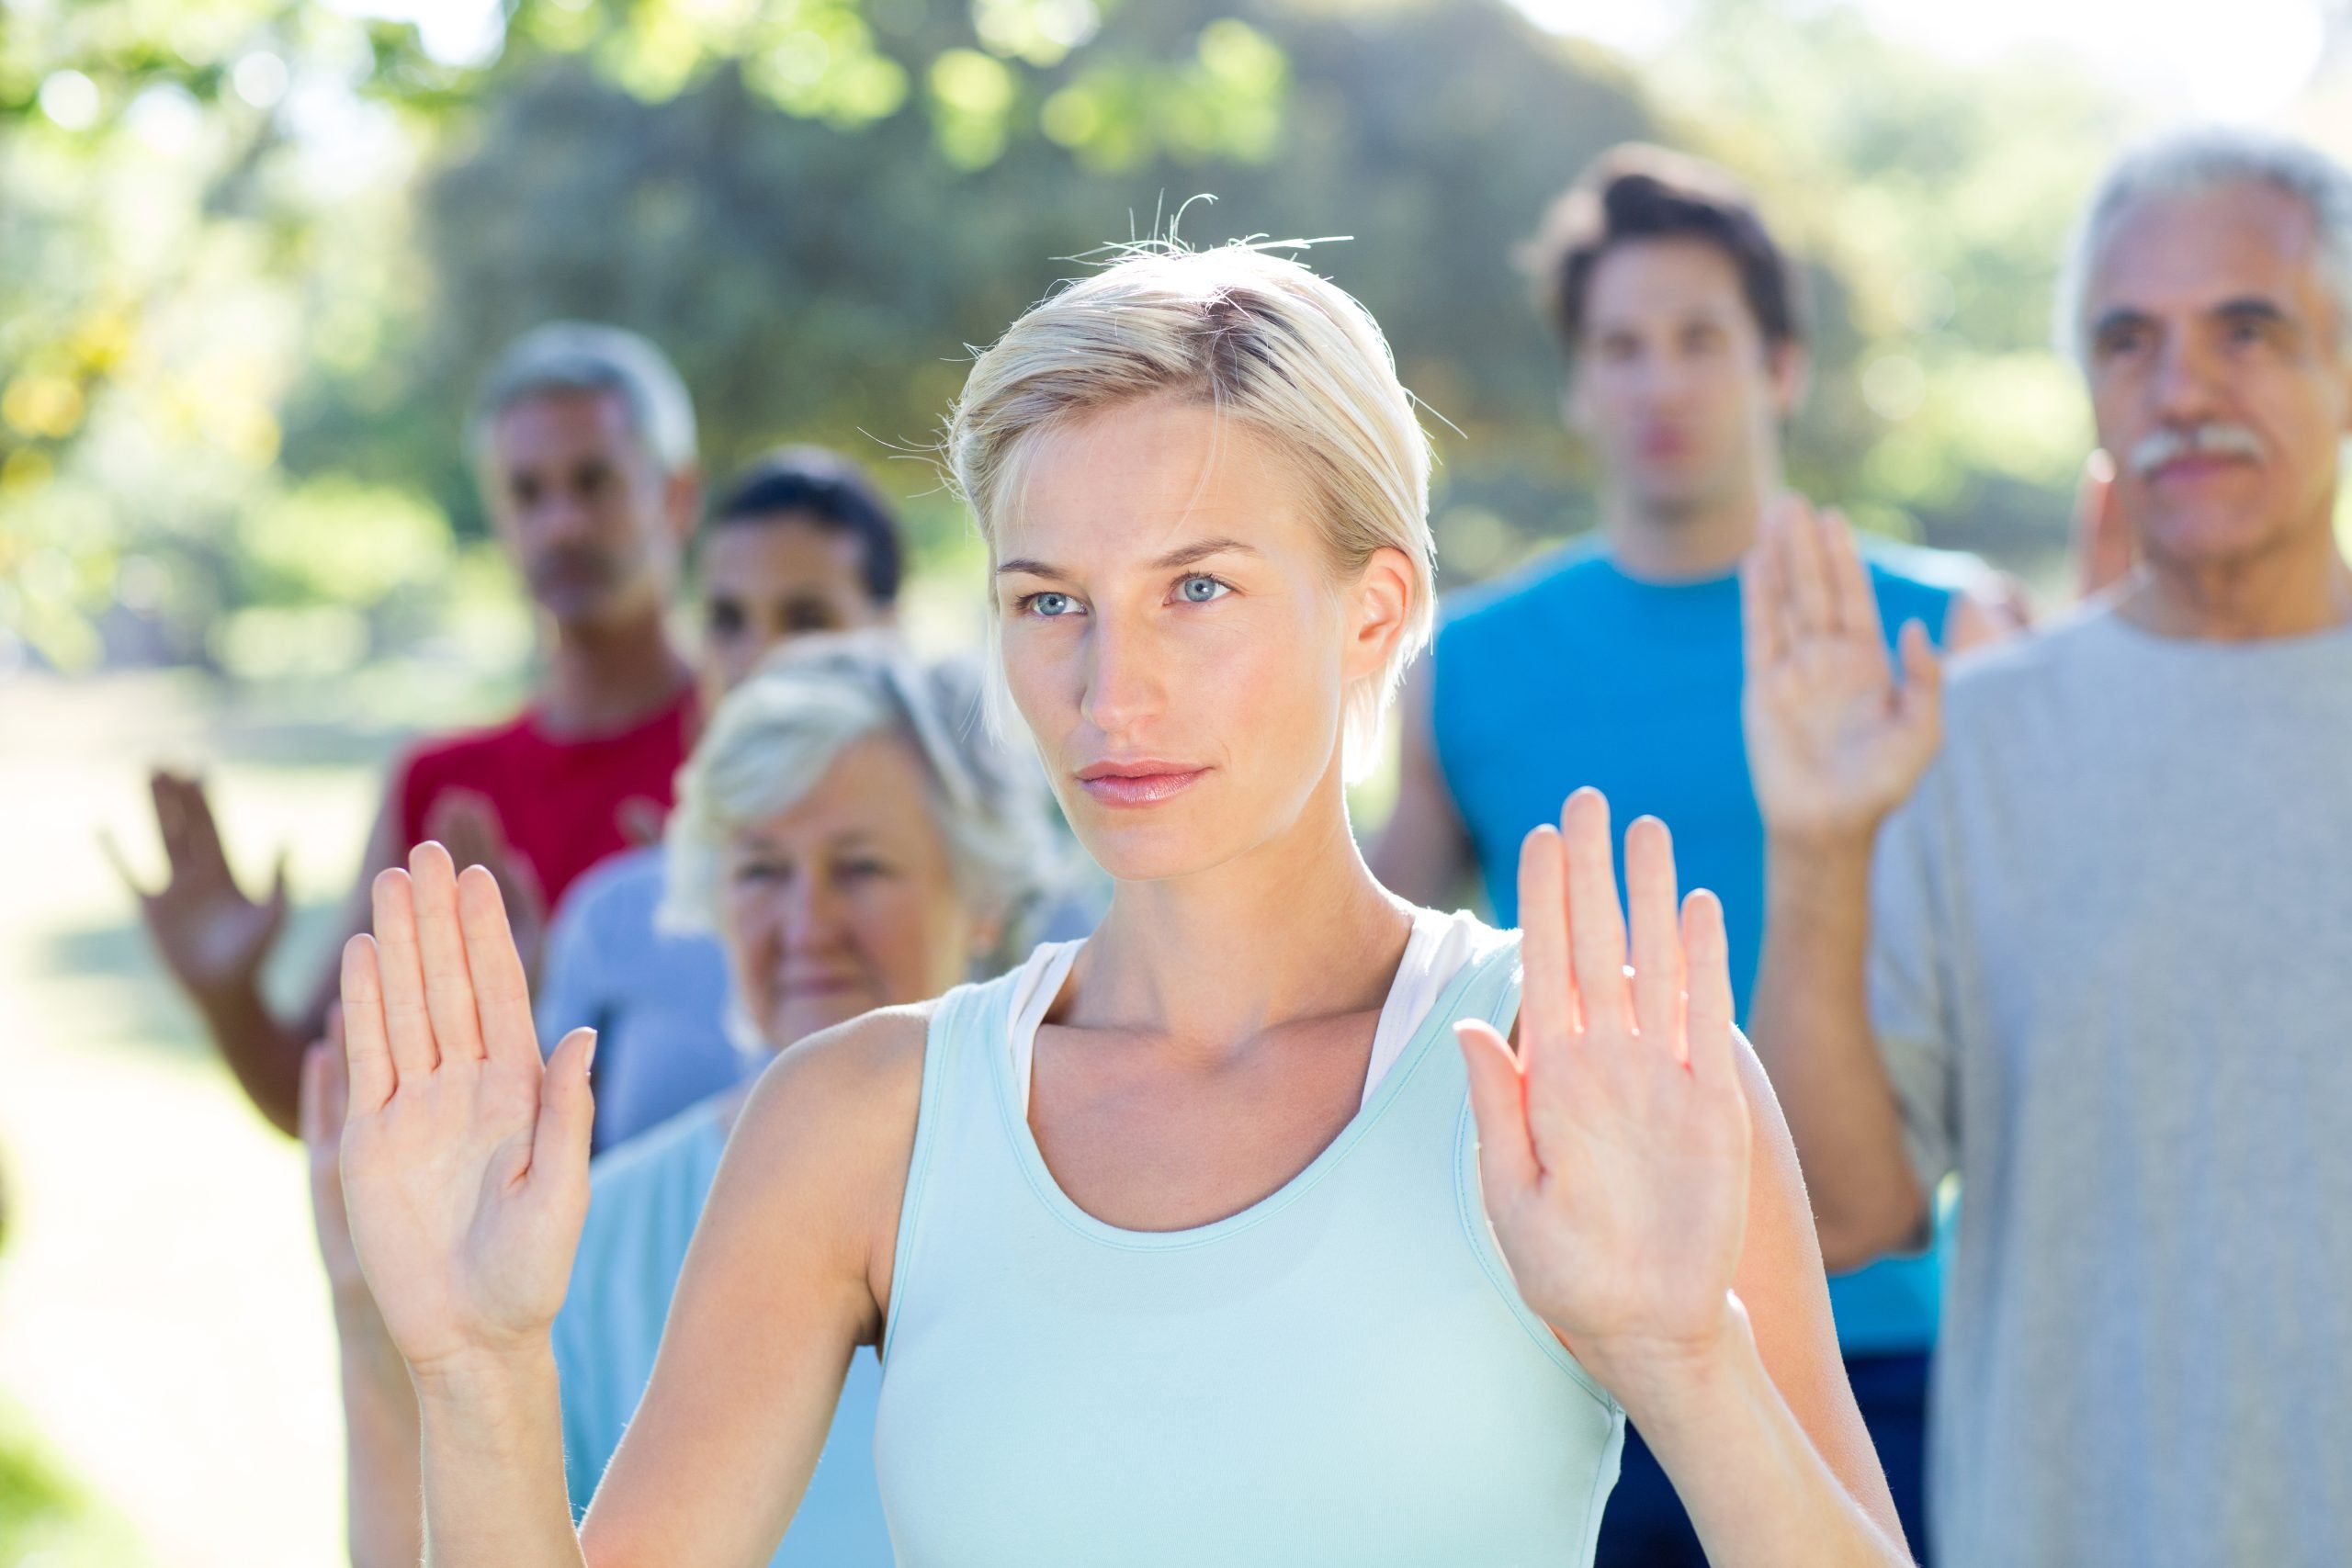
{"x": 279, "y": 896}
{"x": 112, "y": 849}
{"x": 1507, "y": 1162}
{"x": 567, "y": 1112}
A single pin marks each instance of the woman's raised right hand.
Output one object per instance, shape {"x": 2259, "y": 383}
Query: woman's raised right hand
{"x": 465, "y": 1162}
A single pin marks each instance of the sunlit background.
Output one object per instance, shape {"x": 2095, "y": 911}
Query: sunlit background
{"x": 253, "y": 254}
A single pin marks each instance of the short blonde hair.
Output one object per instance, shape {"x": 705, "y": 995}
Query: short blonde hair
{"x": 775, "y": 735}
{"x": 1259, "y": 338}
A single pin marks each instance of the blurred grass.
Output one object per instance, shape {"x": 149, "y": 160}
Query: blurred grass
{"x": 168, "y": 1394}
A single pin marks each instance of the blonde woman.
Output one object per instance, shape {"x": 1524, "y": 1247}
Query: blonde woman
{"x": 851, "y": 837}
{"x": 1178, "y": 1242}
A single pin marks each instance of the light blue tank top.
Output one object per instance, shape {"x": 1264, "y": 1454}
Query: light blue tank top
{"x": 1574, "y": 673}
{"x": 1342, "y": 1373}
{"x": 645, "y": 1199}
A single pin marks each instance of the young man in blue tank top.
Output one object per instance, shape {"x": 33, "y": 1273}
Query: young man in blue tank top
{"x": 1680, "y": 320}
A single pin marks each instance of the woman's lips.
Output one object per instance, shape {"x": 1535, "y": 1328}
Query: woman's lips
{"x": 1143, "y": 785}
{"x": 2188, "y": 470}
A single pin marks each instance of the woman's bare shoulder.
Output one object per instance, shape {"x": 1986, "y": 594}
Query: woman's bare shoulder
{"x": 844, "y": 1087}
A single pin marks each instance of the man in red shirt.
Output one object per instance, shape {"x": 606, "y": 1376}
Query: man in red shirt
{"x": 583, "y": 439}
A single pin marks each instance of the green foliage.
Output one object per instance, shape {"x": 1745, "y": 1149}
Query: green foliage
{"x": 1934, "y": 200}
{"x": 44, "y": 1518}
{"x": 253, "y": 254}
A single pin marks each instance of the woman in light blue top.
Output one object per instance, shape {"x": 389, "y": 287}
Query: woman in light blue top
{"x": 848, "y": 834}
{"x": 1199, "y": 1241}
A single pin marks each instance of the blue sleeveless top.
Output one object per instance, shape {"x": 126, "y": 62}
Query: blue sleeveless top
{"x": 1342, "y": 1373}
{"x": 646, "y": 1199}
{"x": 1573, "y": 673}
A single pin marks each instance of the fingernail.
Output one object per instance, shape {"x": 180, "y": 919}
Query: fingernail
{"x": 589, "y": 1063}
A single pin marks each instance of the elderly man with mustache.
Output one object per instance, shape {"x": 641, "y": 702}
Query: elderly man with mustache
{"x": 2078, "y": 927}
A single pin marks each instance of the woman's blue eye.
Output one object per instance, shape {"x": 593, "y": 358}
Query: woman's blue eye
{"x": 1050, "y": 604}
{"x": 1201, "y": 590}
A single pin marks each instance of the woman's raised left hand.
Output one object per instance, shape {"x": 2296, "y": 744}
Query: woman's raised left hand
{"x": 1613, "y": 1143}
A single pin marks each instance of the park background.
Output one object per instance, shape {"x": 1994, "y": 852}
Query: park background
{"x": 253, "y": 254}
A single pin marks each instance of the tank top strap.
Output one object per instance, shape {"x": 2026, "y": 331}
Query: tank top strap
{"x": 1051, "y": 1381}
{"x": 1491, "y": 993}
{"x": 1430, "y": 1073}
{"x": 967, "y": 1029}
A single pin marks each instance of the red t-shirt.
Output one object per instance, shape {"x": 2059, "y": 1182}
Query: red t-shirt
{"x": 561, "y": 803}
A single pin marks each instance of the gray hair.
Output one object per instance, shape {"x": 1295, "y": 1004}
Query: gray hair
{"x": 2187, "y": 162}
{"x": 775, "y": 735}
{"x": 581, "y": 356}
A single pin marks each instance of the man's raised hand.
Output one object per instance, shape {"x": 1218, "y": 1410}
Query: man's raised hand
{"x": 1835, "y": 741}
{"x": 212, "y": 937}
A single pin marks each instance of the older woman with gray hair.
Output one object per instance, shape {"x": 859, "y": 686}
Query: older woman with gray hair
{"x": 854, "y": 837}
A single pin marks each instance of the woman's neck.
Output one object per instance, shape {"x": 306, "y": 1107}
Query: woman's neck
{"x": 1295, "y": 927}
{"x": 602, "y": 678}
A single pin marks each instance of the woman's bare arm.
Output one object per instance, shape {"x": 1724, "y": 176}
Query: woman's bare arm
{"x": 1782, "y": 1285}
{"x": 789, "y": 1274}
{"x": 465, "y": 1166}
{"x": 384, "y": 1523}
{"x": 1640, "y": 1181}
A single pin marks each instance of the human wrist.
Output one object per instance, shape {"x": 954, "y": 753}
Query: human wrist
{"x": 1844, "y": 839}
{"x": 230, "y": 1001}
{"x": 1813, "y": 873}
{"x": 486, "y": 1383}
{"x": 1666, "y": 1381}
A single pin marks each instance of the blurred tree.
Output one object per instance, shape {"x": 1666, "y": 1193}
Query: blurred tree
{"x": 1934, "y": 201}
{"x": 819, "y": 286}
{"x": 199, "y": 203}
{"x": 253, "y": 256}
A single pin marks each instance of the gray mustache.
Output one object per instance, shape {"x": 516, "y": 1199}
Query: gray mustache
{"x": 2169, "y": 443}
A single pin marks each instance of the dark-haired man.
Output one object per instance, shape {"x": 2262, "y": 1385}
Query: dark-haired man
{"x": 800, "y": 542}
{"x": 584, "y": 442}
{"x": 1616, "y": 662}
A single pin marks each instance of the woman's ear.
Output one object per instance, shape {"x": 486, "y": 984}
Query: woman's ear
{"x": 1791, "y": 370}
{"x": 1383, "y": 598}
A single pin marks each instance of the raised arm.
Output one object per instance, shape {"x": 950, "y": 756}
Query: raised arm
{"x": 1423, "y": 851}
{"x": 1835, "y": 743}
{"x": 466, "y": 1178}
{"x": 215, "y": 940}
{"x": 1643, "y": 1191}
{"x": 465, "y": 1172}
{"x": 789, "y": 1272}
{"x": 384, "y": 1518}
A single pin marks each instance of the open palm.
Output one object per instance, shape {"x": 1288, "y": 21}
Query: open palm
{"x": 1834, "y": 741}
{"x": 1613, "y": 1144}
{"x": 464, "y": 1163}
{"x": 213, "y": 937}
